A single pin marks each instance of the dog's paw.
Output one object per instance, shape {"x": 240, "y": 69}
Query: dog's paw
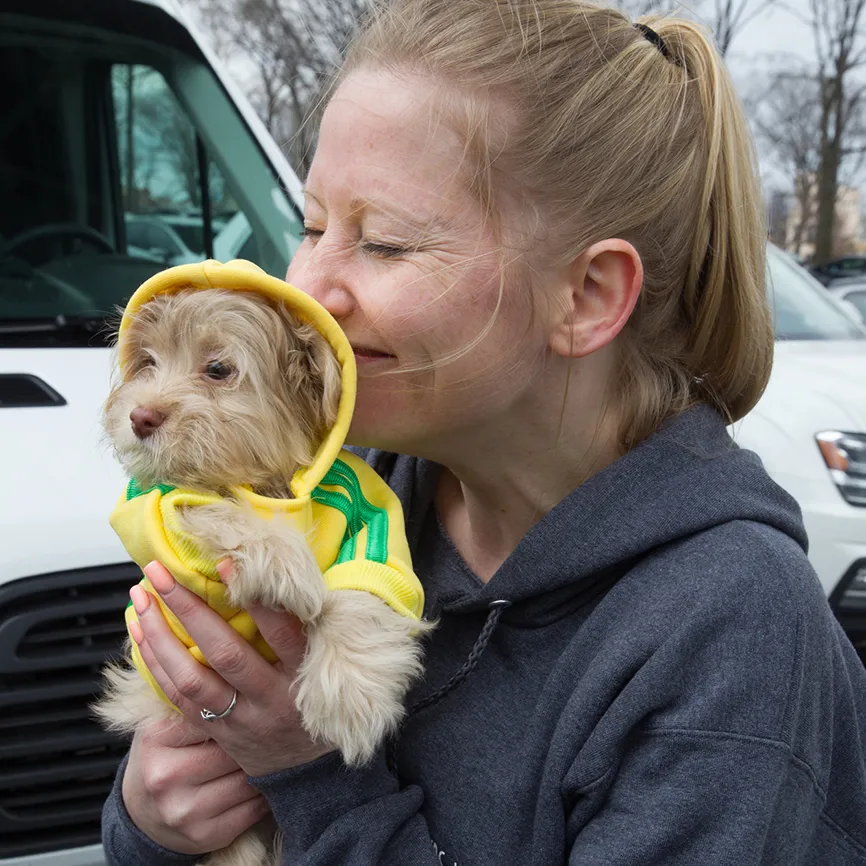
{"x": 220, "y": 528}
{"x": 361, "y": 659}
{"x": 272, "y": 562}
{"x": 279, "y": 571}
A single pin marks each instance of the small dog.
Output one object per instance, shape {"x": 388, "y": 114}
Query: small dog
{"x": 227, "y": 388}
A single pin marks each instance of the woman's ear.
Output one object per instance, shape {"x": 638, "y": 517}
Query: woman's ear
{"x": 600, "y": 290}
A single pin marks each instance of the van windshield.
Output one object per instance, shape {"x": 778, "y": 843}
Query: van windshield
{"x": 119, "y": 158}
{"x": 802, "y": 308}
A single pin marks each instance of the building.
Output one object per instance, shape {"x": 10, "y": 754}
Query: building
{"x": 802, "y": 218}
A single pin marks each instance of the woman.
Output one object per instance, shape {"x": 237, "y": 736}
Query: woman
{"x": 540, "y": 228}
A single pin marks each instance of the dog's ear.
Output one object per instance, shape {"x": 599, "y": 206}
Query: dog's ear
{"x": 312, "y": 373}
{"x": 325, "y": 369}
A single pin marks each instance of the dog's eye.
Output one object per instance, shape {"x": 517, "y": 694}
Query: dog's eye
{"x": 218, "y": 371}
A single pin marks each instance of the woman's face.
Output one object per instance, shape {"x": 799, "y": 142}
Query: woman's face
{"x": 398, "y": 251}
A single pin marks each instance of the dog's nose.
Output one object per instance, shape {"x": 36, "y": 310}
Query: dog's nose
{"x": 145, "y": 421}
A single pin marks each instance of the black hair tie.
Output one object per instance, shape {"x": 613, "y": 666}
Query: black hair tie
{"x": 656, "y": 40}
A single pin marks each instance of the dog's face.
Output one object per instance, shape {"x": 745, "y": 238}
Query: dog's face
{"x": 222, "y": 388}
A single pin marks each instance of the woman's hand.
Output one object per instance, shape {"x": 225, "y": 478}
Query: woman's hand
{"x": 185, "y": 792}
{"x": 263, "y": 732}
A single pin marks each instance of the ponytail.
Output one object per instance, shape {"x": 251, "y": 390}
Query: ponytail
{"x": 731, "y": 334}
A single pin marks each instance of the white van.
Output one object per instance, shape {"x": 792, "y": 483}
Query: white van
{"x": 114, "y": 114}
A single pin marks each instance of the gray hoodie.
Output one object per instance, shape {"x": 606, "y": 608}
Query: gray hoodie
{"x": 668, "y": 687}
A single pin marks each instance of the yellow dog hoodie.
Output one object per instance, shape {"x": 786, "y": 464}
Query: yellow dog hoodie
{"x": 351, "y": 518}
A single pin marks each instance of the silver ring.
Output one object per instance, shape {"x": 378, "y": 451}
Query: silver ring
{"x": 210, "y": 716}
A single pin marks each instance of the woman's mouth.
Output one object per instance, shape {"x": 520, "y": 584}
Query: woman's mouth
{"x": 367, "y": 355}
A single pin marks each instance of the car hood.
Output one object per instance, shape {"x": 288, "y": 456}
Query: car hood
{"x": 60, "y": 480}
{"x": 815, "y": 385}
{"x": 826, "y": 375}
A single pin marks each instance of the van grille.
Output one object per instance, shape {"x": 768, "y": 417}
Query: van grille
{"x": 56, "y": 764}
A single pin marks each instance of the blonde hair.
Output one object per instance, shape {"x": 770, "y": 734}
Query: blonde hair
{"x": 608, "y": 134}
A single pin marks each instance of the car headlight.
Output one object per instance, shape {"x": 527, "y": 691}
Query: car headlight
{"x": 845, "y": 456}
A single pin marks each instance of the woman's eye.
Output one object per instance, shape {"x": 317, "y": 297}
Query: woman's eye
{"x": 218, "y": 371}
{"x": 386, "y": 251}
{"x": 310, "y": 232}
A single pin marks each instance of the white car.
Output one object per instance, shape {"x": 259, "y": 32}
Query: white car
{"x": 852, "y": 292}
{"x": 95, "y": 95}
{"x": 68, "y": 70}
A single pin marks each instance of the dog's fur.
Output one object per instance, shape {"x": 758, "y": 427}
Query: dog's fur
{"x": 256, "y": 426}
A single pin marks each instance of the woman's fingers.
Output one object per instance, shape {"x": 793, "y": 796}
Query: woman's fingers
{"x": 204, "y": 760}
{"x": 224, "y": 829}
{"x": 283, "y": 633}
{"x": 186, "y": 683}
{"x": 189, "y": 710}
{"x": 188, "y": 798}
{"x": 220, "y": 795}
{"x": 233, "y": 659}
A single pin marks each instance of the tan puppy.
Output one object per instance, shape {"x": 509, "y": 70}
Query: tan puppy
{"x": 225, "y": 388}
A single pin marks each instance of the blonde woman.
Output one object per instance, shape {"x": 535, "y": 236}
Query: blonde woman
{"x": 540, "y": 227}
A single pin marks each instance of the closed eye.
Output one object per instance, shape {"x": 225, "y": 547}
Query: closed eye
{"x": 310, "y": 232}
{"x": 386, "y": 251}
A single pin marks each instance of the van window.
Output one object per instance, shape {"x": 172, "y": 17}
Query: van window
{"x": 175, "y": 198}
{"x": 858, "y": 299}
{"x": 113, "y": 168}
{"x": 800, "y": 305}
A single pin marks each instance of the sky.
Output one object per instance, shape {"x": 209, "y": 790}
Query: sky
{"x": 778, "y": 31}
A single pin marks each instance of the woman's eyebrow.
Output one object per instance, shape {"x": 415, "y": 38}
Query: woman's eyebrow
{"x": 422, "y": 224}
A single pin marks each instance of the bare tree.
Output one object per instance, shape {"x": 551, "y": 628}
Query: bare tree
{"x": 837, "y": 29}
{"x": 731, "y": 16}
{"x": 728, "y": 18}
{"x": 786, "y": 118}
{"x": 294, "y": 45}
{"x": 155, "y": 140}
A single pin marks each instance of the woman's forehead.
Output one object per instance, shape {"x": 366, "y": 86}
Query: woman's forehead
{"x": 378, "y": 126}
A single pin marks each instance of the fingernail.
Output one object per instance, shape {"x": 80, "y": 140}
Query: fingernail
{"x": 159, "y": 578}
{"x": 140, "y": 601}
{"x": 224, "y": 570}
{"x": 136, "y": 632}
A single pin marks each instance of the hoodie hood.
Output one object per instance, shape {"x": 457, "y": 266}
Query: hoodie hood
{"x": 243, "y": 276}
{"x": 685, "y": 479}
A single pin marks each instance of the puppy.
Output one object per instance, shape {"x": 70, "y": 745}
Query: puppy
{"x": 224, "y": 389}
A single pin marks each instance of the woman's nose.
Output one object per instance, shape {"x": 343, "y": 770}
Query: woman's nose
{"x": 320, "y": 278}
{"x": 336, "y": 299}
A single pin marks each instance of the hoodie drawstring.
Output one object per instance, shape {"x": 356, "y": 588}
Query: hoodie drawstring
{"x": 496, "y": 609}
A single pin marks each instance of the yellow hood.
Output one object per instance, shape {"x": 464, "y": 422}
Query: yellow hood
{"x": 244, "y": 276}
